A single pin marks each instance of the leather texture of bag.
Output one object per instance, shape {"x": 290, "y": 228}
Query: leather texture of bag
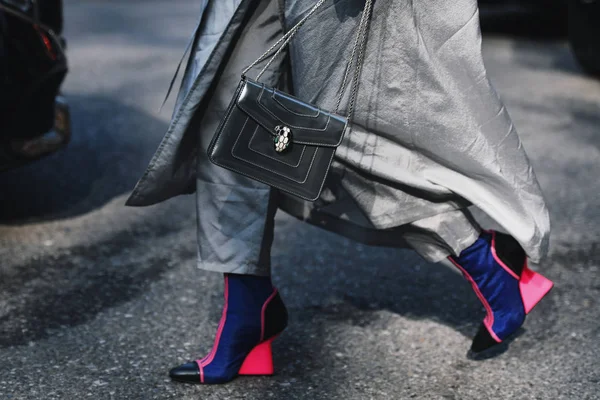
{"x": 245, "y": 140}
{"x": 277, "y": 139}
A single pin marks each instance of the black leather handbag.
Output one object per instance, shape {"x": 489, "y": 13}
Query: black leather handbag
{"x": 280, "y": 140}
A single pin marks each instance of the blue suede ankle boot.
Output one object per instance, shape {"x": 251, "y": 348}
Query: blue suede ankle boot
{"x": 253, "y": 315}
{"x": 496, "y": 267}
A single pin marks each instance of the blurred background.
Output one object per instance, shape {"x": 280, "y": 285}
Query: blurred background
{"x": 87, "y": 286}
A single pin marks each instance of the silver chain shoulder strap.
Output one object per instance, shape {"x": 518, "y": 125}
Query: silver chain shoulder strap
{"x": 359, "y": 46}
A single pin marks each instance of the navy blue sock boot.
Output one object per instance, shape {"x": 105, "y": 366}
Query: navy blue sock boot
{"x": 496, "y": 267}
{"x": 253, "y": 315}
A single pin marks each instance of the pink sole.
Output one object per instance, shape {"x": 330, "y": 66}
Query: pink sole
{"x": 533, "y": 288}
{"x": 259, "y": 361}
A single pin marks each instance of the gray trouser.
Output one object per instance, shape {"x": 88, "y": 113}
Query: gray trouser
{"x": 235, "y": 228}
{"x": 236, "y": 214}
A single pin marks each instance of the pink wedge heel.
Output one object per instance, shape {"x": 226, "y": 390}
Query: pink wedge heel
{"x": 259, "y": 361}
{"x": 533, "y": 287}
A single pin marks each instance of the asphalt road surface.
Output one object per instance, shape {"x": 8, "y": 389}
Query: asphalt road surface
{"x": 99, "y": 301}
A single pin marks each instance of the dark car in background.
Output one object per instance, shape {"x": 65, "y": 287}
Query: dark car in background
{"x": 584, "y": 33}
{"x": 34, "y": 118}
{"x": 580, "y": 18}
{"x": 542, "y": 9}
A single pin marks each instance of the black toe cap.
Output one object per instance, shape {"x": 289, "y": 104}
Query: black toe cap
{"x": 482, "y": 340}
{"x": 188, "y": 372}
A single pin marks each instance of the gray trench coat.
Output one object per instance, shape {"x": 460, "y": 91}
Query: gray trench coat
{"x": 430, "y": 135}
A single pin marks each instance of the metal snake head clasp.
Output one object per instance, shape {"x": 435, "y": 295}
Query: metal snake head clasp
{"x": 283, "y": 138}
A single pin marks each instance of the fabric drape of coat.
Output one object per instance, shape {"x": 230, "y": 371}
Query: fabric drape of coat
{"x": 430, "y": 136}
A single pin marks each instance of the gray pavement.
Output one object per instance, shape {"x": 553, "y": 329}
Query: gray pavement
{"x": 99, "y": 301}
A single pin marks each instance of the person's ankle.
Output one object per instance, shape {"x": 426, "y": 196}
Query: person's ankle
{"x": 249, "y": 288}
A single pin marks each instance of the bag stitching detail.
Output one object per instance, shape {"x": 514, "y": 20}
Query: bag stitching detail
{"x": 273, "y": 158}
{"x": 292, "y": 111}
{"x": 269, "y": 169}
{"x": 217, "y": 138}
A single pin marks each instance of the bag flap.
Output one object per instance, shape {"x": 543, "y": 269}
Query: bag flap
{"x": 309, "y": 124}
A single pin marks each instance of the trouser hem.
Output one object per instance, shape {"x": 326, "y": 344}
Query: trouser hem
{"x": 245, "y": 269}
